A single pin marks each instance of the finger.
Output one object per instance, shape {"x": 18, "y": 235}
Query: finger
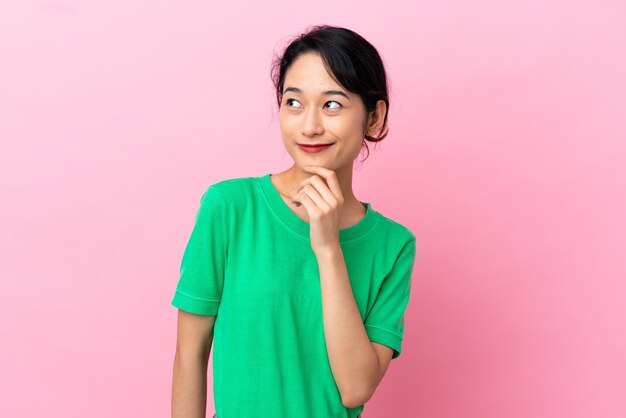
{"x": 302, "y": 184}
{"x": 315, "y": 196}
{"x": 329, "y": 175}
{"x": 317, "y": 182}
{"x": 310, "y": 206}
{"x": 323, "y": 190}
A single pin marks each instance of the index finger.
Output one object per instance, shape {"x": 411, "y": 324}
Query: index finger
{"x": 329, "y": 175}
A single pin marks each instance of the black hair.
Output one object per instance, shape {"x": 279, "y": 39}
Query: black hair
{"x": 349, "y": 58}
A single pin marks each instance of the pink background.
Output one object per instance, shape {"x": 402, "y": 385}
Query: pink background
{"x": 507, "y": 131}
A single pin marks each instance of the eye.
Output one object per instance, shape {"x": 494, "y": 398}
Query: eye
{"x": 290, "y": 100}
{"x": 337, "y": 103}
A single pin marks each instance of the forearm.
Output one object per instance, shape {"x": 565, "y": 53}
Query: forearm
{"x": 189, "y": 387}
{"x": 353, "y": 360}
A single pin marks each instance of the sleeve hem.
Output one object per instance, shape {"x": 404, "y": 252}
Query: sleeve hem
{"x": 386, "y": 337}
{"x": 194, "y": 304}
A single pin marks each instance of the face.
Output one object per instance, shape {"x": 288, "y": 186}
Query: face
{"x": 315, "y": 109}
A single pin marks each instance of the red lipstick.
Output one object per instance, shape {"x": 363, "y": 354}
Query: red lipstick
{"x": 314, "y": 148}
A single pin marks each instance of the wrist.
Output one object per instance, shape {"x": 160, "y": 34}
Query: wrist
{"x": 329, "y": 251}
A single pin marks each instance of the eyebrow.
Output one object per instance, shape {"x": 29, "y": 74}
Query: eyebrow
{"x": 324, "y": 93}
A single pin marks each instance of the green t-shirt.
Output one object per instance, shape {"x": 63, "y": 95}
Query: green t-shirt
{"x": 249, "y": 262}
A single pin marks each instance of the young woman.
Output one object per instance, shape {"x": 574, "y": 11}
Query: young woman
{"x": 299, "y": 287}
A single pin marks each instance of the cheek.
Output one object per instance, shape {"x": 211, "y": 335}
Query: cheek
{"x": 347, "y": 127}
{"x": 285, "y": 121}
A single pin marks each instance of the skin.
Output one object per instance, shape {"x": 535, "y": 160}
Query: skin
{"x": 189, "y": 375}
{"x": 318, "y": 188}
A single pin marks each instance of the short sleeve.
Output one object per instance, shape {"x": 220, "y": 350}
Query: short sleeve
{"x": 384, "y": 323}
{"x": 201, "y": 280}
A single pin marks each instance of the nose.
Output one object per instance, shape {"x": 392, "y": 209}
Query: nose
{"x": 312, "y": 123}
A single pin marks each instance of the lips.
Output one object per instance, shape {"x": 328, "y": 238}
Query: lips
{"x": 314, "y": 147}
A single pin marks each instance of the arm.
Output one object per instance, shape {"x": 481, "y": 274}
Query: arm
{"x": 358, "y": 365}
{"x": 193, "y": 347}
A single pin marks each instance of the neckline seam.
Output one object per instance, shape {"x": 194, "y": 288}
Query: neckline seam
{"x": 276, "y": 215}
{"x": 273, "y": 199}
{"x": 364, "y": 234}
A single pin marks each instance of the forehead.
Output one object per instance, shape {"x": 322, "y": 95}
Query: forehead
{"x": 308, "y": 73}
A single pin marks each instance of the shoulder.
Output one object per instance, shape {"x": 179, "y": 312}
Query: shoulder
{"x": 395, "y": 232}
{"x": 232, "y": 189}
{"x": 399, "y": 253}
{"x": 226, "y": 199}
{"x": 232, "y": 194}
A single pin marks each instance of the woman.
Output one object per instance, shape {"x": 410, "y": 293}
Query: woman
{"x": 303, "y": 286}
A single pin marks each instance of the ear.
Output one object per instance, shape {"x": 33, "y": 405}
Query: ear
{"x": 376, "y": 118}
